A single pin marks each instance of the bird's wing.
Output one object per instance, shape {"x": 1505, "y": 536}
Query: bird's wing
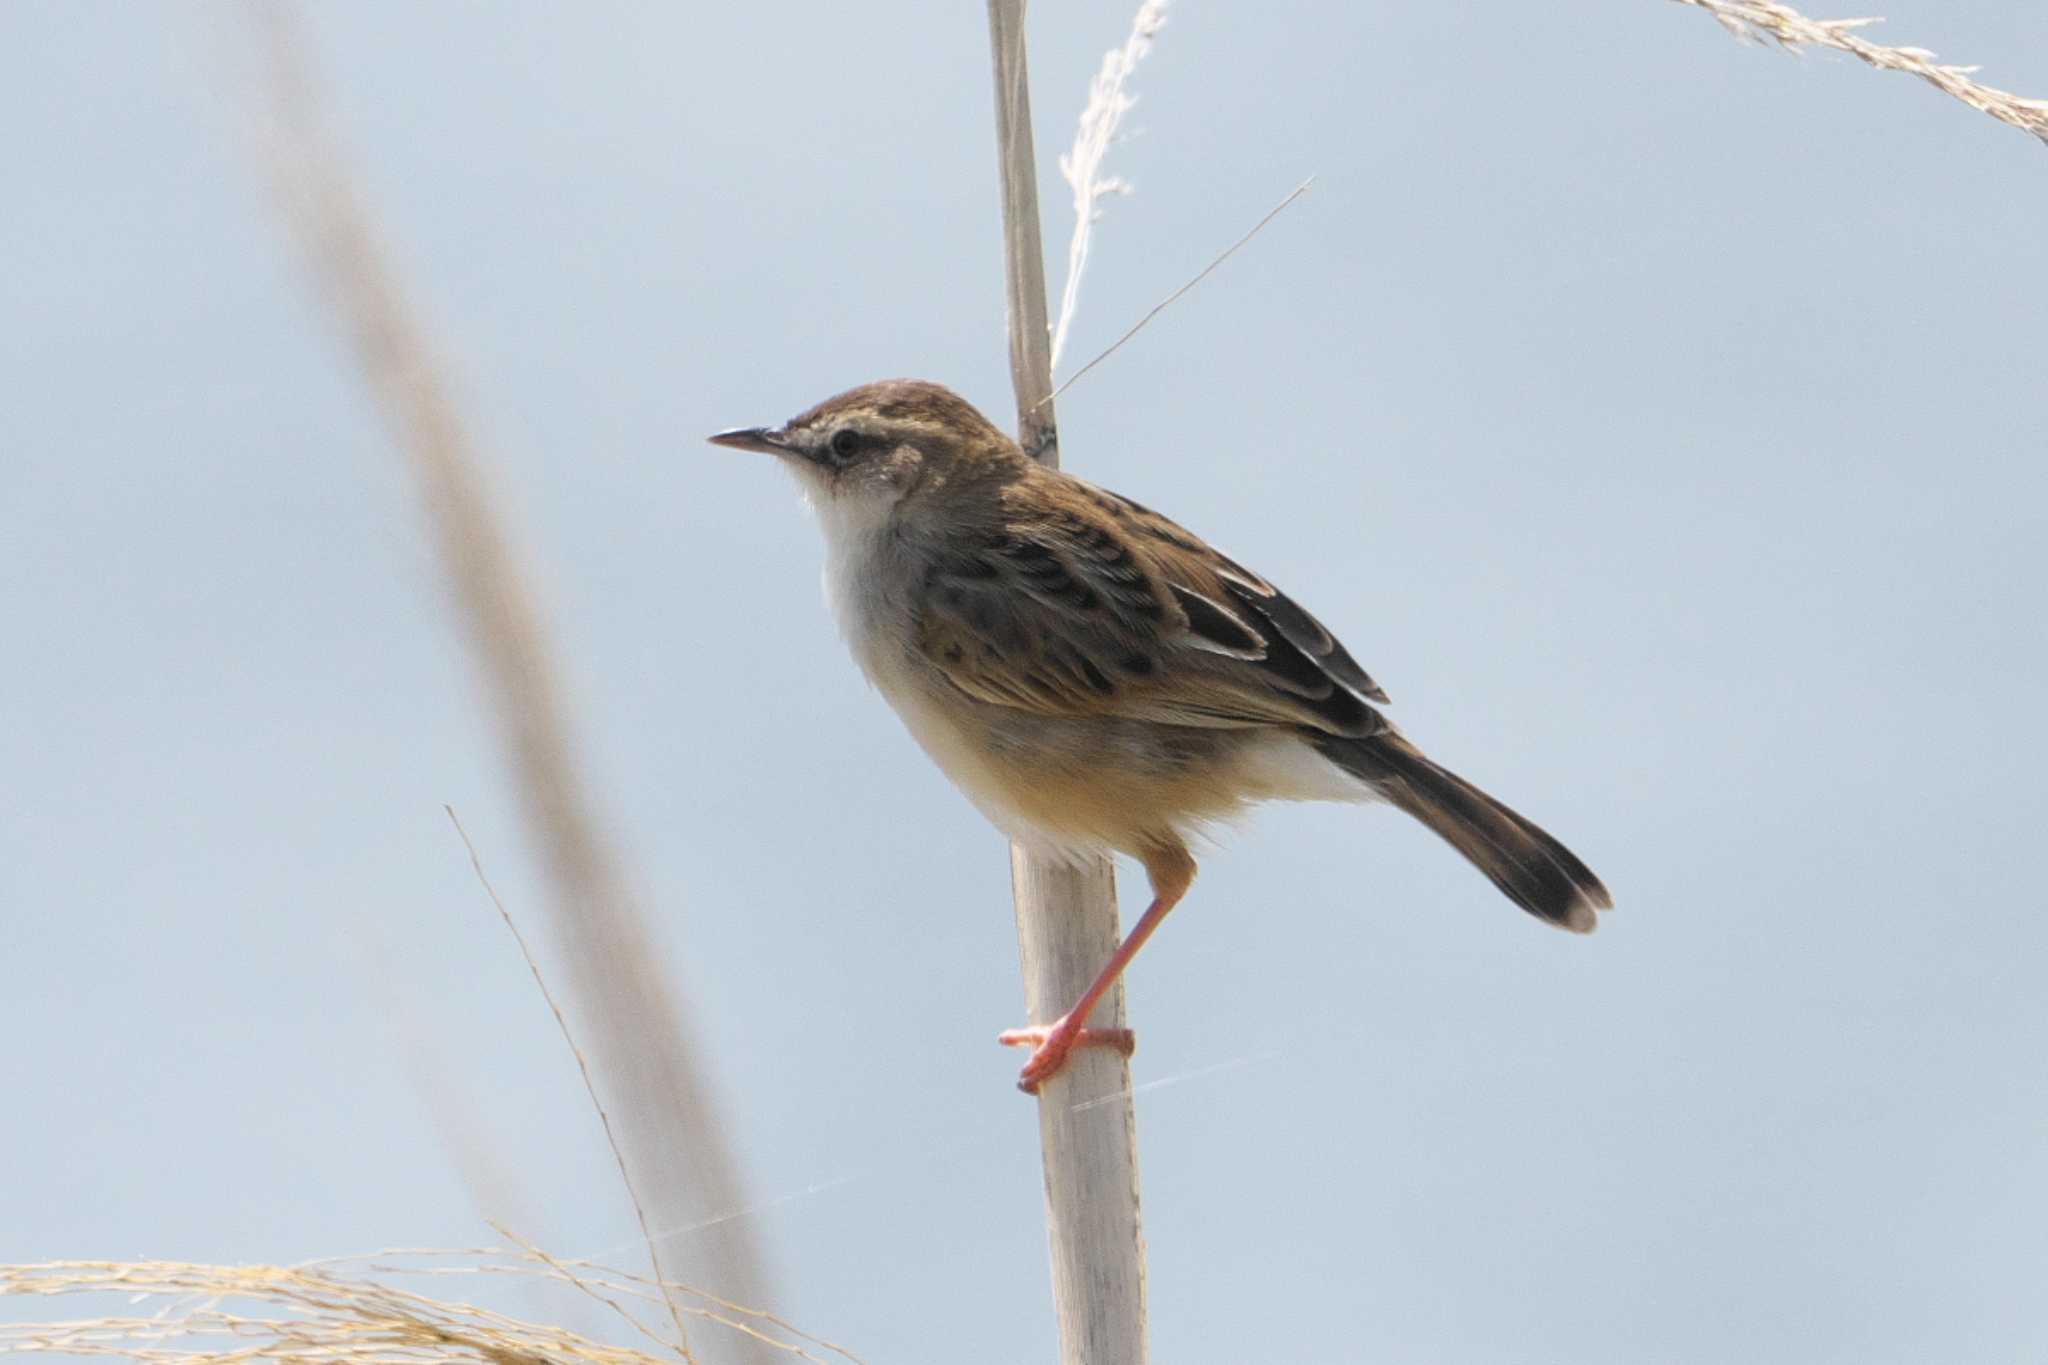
{"x": 1084, "y": 603}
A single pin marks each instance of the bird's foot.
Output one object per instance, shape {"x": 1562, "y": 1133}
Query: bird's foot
{"x": 1050, "y": 1044}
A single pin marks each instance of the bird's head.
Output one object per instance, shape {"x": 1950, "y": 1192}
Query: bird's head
{"x": 882, "y": 443}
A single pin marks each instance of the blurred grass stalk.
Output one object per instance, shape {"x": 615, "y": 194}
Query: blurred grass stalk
{"x": 1759, "y": 20}
{"x": 1066, "y": 917}
{"x": 637, "y": 1032}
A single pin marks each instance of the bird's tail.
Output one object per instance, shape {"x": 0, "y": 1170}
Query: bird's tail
{"x": 1536, "y": 871}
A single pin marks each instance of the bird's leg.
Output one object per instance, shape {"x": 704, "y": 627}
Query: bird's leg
{"x": 1171, "y": 871}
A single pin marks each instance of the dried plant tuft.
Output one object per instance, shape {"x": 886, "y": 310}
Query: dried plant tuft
{"x": 322, "y": 1313}
{"x": 1081, "y": 164}
{"x": 1763, "y": 20}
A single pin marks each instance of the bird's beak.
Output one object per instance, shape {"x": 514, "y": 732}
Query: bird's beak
{"x": 766, "y": 440}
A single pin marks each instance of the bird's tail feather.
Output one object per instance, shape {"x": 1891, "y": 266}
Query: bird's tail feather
{"x": 1536, "y": 871}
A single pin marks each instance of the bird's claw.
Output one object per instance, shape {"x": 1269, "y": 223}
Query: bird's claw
{"x": 1050, "y": 1044}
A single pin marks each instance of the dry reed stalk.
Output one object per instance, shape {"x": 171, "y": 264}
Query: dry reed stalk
{"x": 639, "y": 1040}
{"x": 316, "y": 1314}
{"x": 1757, "y": 20}
{"x": 1066, "y": 917}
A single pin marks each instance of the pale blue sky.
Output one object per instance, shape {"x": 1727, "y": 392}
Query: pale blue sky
{"x": 1660, "y": 421}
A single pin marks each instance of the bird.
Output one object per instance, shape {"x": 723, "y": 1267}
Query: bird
{"x": 1096, "y": 678}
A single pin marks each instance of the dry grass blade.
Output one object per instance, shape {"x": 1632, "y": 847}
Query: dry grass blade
{"x": 730, "y": 1314}
{"x": 317, "y": 1315}
{"x": 1081, "y": 164}
{"x": 636, "y": 1029}
{"x": 1758, "y": 20}
{"x": 589, "y": 1087}
{"x": 1156, "y": 309}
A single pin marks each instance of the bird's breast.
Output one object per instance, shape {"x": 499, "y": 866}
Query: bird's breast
{"x": 866, "y": 579}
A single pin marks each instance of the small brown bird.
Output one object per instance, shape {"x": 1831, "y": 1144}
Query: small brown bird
{"x": 1093, "y": 676}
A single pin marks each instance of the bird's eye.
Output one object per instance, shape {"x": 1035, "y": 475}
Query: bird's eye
{"x": 845, "y": 441}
